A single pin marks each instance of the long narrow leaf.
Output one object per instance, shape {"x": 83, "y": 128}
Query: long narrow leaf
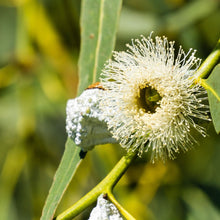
{"x": 98, "y": 25}
{"x": 98, "y": 29}
{"x": 68, "y": 165}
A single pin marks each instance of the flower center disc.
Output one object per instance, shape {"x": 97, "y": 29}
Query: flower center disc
{"x": 149, "y": 99}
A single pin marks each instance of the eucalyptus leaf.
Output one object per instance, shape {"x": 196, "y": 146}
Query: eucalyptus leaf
{"x": 70, "y": 161}
{"x": 98, "y": 28}
{"x": 99, "y": 20}
{"x": 213, "y": 88}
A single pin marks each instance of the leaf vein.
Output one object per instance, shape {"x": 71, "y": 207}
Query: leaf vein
{"x": 98, "y": 40}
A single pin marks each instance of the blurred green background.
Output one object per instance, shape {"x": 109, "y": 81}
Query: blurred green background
{"x": 39, "y": 49}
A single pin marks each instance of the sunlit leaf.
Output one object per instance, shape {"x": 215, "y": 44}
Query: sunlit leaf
{"x": 98, "y": 27}
{"x": 213, "y": 88}
{"x": 68, "y": 165}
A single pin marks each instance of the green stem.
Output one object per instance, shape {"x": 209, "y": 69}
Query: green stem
{"x": 124, "y": 212}
{"x": 203, "y": 83}
{"x": 105, "y": 186}
{"x": 208, "y": 64}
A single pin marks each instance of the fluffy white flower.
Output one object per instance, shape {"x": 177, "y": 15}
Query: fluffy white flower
{"x": 151, "y": 99}
{"x": 105, "y": 210}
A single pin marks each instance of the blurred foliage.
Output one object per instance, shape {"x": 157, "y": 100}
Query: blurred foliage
{"x": 39, "y": 48}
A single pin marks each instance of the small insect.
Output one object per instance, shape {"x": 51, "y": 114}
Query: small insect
{"x": 95, "y": 85}
{"x": 105, "y": 196}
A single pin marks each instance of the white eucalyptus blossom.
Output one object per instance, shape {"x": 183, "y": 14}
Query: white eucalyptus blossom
{"x": 151, "y": 100}
{"x": 85, "y": 122}
{"x": 105, "y": 210}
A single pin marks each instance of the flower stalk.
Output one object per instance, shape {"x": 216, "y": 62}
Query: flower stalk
{"x": 209, "y": 63}
{"x": 205, "y": 85}
{"x": 120, "y": 208}
{"x": 104, "y": 187}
